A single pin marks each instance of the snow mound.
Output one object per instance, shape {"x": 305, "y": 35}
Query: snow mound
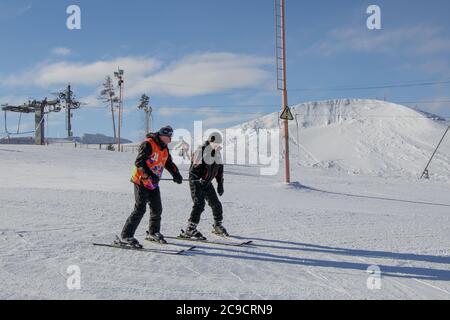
{"x": 362, "y": 137}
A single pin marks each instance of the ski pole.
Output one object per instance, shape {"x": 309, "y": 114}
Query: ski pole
{"x": 168, "y": 179}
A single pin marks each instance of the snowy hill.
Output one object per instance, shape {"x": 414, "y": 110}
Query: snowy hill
{"x": 364, "y": 137}
{"x": 314, "y": 240}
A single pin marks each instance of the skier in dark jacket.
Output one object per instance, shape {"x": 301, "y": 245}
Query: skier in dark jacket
{"x": 206, "y": 165}
{"x": 152, "y": 158}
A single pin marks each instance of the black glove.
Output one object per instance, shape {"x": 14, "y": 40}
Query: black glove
{"x": 220, "y": 188}
{"x": 177, "y": 178}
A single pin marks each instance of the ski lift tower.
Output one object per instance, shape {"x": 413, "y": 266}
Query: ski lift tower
{"x": 40, "y": 108}
{"x": 68, "y": 97}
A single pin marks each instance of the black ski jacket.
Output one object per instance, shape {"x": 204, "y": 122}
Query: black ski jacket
{"x": 200, "y": 169}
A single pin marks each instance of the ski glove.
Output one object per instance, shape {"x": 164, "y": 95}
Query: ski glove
{"x": 220, "y": 188}
{"x": 177, "y": 178}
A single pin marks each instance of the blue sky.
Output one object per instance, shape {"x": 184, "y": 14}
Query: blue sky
{"x": 214, "y": 60}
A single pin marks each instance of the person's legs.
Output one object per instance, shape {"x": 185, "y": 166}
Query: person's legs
{"x": 198, "y": 198}
{"x": 214, "y": 203}
{"x": 216, "y": 206}
{"x": 155, "y": 211}
{"x": 141, "y": 199}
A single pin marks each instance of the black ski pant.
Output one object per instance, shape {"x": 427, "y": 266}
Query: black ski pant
{"x": 199, "y": 194}
{"x": 143, "y": 196}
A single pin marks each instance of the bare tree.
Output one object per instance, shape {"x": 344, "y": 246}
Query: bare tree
{"x": 145, "y": 105}
{"x": 108, "y": 95}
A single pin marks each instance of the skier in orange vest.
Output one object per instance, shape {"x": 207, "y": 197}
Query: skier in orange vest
{"x": 152, "y": 158}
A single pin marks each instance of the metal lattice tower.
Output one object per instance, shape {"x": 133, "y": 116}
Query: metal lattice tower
{"x": 281, "y": 77}
{"x": 71, "y": 104}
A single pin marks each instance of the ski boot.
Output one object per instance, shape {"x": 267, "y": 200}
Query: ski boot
{"x": 155, "y": 237}
{"x": 128, "y": 241}
{"x": 192, "y": 232}
{"x": 219, "y": 229}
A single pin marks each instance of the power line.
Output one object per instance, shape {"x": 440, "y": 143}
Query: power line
{"x": 275, "y": 106}
{"x": 385, "y": 86}
{"x": 349, "y": 87}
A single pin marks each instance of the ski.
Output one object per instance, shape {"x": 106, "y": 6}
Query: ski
{"x": 224, "y": 243}
{"x": 168, "y": 244}
{"x": 128, "y": 247}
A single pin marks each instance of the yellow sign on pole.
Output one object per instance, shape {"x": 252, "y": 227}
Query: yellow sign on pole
{"x": 287, "y": 114}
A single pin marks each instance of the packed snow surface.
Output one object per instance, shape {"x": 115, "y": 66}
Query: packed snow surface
{"x": 356, "y": 203}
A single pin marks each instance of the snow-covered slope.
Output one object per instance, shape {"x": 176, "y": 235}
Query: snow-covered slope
{"x": 313, "y": 240}
{"x": 364, "y": 137}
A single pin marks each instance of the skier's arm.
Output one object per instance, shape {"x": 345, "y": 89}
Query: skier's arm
{"x": 219, "y": 176}
{"x": 171, "y": 166}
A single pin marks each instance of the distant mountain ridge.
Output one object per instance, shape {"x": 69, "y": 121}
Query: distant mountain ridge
{"x": 87, "y": 138}
{"x": 99, "y": 138}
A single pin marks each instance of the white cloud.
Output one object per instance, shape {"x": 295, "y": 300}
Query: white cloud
{"x": 418, "y": 40}
{"x": 206, "y": 73}
{"x": 193, "y": 75}
{"x": 59, "y": 73}
{"x": 61, "y": 51}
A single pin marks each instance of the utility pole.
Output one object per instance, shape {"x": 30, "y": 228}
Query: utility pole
{"x": 119, "y": 76}
{"x": 68, "y": 104}
{"x": 71, "y": 104}
{"x": 281, "y": 79}
{"x": 111, "y": 96}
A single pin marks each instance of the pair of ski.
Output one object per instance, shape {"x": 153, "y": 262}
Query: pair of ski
{"x": 123, "y": 245}
{"x": 215, "y": 242}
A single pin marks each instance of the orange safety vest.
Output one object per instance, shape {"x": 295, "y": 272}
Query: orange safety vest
{"x": 155, "y": 162}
